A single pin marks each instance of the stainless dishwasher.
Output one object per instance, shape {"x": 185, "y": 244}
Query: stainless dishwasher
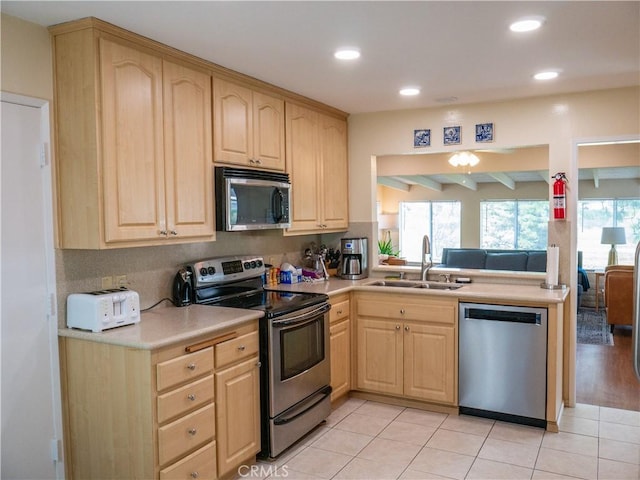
{"x": 503, "y": 362}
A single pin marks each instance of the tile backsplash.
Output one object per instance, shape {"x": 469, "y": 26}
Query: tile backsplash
{"x": 150, "y": 270}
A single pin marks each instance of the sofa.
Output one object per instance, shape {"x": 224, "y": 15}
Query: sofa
{"x": 491, "y": 259}
{"x": 514, "y": 260}
{"x": 618, "y": 295}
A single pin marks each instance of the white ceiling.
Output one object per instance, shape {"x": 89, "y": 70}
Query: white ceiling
{"x": 449, "y": 49}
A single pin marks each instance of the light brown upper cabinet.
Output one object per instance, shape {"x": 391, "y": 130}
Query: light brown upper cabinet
{"x": 317, "y": 164}
{"x": 133, "y": 144}
{"x": 249, "y": 127}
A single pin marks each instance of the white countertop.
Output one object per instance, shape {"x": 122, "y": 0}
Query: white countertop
{"x": 475, "y": 291}
{"x": 164, "y": 326}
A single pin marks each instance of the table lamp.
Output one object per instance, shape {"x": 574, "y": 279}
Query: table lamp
{"x": 613, "y": 236}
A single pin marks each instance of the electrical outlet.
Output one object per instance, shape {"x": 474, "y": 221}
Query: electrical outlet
{"x": 121, "y": 281}
{"x": 107, "y": 282}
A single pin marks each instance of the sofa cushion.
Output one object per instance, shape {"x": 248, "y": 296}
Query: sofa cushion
{"x": 506, "y": 261}
{"x": 465, "y": 258}
{"x": 537, "y": 262}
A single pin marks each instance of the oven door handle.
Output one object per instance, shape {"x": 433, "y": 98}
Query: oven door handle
{"x": 303, "y": 407}
{"x": 292, "y": 320}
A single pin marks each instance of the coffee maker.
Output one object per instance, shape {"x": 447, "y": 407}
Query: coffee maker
{"x": 354, "y": 258}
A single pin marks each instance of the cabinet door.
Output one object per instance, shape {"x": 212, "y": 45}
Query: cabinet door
{"x": 334, "y": 172}
{"x": 380, "y": 355}
{"x": 132, "y": 147}
{"x": 302, "y": 165}
{"x": 237, "y": 414}
{"x": 233, "y": 123}
{"x": 268, "y": 131}
{"x": 188, "y": 152}
{"x": 340, "y": 339}
{"x": 429, "y": 362}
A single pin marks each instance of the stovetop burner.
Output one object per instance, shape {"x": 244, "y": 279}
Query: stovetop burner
{"x": 273, "y": 303}
{"x": 237, "y": 282}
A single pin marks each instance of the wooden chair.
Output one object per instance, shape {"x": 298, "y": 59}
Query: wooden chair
{"x": 618, "y": 294}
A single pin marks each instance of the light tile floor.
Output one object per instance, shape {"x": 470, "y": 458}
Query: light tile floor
{"x": 369, "y": 440}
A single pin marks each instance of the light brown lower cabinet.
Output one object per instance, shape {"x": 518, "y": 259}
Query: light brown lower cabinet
{"x": 340, "y": 338}
{"x": 407, "y": 346}
{"x": 190, "y": 410}
{"x": 238, "y": 405}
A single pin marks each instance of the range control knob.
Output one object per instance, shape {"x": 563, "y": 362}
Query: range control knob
{"x": 247, "y": 265}
{"x": 211, "y": 270}
{"x": 259, "y": 263}
{"x": 253, "y": 264}
{"x": 203, "y": 271}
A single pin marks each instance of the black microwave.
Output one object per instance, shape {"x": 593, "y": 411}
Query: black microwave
{"x": 251, "y": 199}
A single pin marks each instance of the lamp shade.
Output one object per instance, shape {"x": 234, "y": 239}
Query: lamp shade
{"x": 613, "y": 236}
{"x": 388, "y": 221}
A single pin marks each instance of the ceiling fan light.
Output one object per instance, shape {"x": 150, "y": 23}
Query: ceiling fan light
{"x": 463, "y": 159}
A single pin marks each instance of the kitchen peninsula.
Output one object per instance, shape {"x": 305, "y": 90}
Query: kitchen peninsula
{"x": 437, "y": 311}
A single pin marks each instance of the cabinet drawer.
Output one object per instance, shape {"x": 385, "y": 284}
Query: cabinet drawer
{"x": 185, "y": 398}
{"x": 428, "y": 312}
{"x": 339, "y": 311}
{"x": 186, "y": 433}
{"x": 184, "y": 368}
{"x": 200, "y": 464}
{"x": 237, "y": 349}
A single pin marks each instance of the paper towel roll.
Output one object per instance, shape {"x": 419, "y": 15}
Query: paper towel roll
{"x": 553, "y": 254}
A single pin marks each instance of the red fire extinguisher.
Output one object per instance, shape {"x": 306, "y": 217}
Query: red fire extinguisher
{"x": 559, "y": 196}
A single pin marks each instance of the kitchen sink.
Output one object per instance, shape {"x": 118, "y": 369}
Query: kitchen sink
{"x": 410, "y": 284}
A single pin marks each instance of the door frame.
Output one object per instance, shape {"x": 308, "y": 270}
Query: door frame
{"x": 571, "y": 342}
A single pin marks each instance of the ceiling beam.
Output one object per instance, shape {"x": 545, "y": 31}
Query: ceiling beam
{"x": 391, "y": 183}
{"x": 464, "y": 180}
{"x": 423, "y": 182}
{"x": 544, "y": 174}
{"x": 504, "y": 179}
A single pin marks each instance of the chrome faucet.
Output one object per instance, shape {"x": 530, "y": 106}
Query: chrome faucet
{"x": 426, "y": 250}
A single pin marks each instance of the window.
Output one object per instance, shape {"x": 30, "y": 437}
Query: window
{"x": 595, "y": 214}
{"x": 439, "y": 220}
{"x": 514, "y": 224}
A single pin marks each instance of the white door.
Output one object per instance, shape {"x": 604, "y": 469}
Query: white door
{"x": 31, "y": 412}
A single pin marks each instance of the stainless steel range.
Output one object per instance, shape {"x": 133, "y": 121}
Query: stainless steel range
{"x": 294, "y": 345}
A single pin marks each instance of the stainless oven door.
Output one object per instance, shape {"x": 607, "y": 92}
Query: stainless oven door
{"x": 299, "y": 362}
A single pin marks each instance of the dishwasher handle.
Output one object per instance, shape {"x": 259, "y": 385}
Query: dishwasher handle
{"x": 513, "y": 316}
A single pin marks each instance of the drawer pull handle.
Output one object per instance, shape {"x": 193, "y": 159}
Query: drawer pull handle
{"x": 191, "y": 366}
{"x": 191, "y": 396}
{"x": 406, "y": 328}
{"x": 192, "y": 431}
{"x": 397, "y": 327}
{"x": 241, "y": 348}
{"x": 402, "y": 311}
{"x": 339, "y": 312}
{"x": 259, "y": 364}
{"x": 194, "y": 475}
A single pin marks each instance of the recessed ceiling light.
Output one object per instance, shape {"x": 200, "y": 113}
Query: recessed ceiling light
{"x": 409, "y": 91}
{"x": 549, "y": 75}
{"x": 347, "y": 53}
{"x": 527, "y": 24}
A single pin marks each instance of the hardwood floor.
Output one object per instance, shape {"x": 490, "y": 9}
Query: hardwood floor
{"x": 604, "y": 374}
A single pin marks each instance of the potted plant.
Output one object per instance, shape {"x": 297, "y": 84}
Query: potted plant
{"x": 385, "y": 248}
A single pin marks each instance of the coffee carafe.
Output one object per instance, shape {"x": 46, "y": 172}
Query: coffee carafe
{"x": 354, "y": 258}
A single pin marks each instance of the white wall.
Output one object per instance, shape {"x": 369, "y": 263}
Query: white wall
{"x": 556, "y": 121}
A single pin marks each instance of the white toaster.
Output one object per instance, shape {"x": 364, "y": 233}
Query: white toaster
{"x": 103, "y": 309}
